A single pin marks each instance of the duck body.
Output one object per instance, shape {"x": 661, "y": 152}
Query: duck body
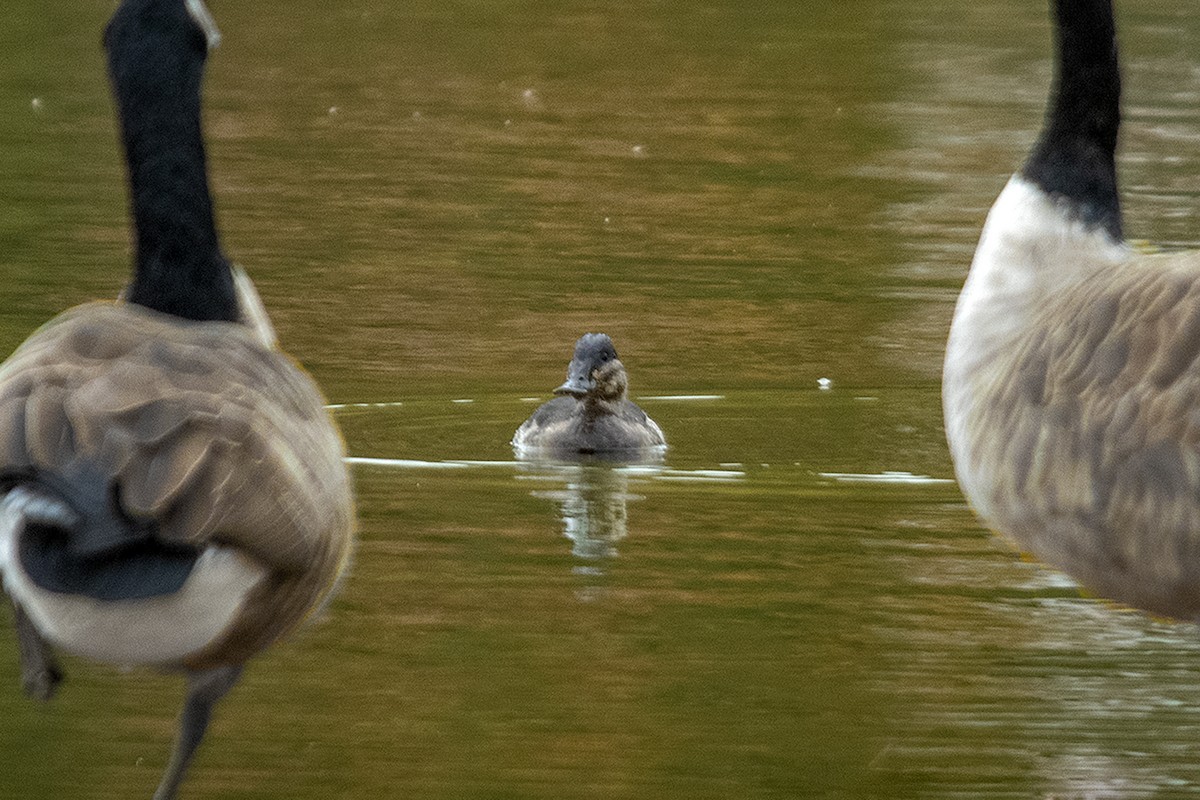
{"x": 1071, "y": 380}
{"x": 571, "y": 425}
{"x": 173, "y": 492}
{"x": 593, "y": 414}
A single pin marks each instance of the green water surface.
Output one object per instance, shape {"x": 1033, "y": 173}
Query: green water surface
{"x": 436, "y": 199}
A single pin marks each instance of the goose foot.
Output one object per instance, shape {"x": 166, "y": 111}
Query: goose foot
{"x": 204, "y": 690}
{"x": 40, "y": 672}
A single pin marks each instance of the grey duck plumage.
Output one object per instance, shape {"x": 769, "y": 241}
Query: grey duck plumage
{"x": 593, "y": 414}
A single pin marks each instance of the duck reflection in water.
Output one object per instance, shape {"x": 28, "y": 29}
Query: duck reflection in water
{"x": 594, "y": 509}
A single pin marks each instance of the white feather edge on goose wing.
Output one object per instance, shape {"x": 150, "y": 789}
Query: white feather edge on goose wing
{"x": 250, "y": 307}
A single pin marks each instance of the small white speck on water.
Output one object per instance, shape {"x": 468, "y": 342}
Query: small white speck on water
{"x": 532, "y": 100}
{"x": 638, "y": 150}
{"x": 333, "y": 110}
{"x": 607, "y": 220}
{"x": 508, "y": 123}
{"x": 36, "y": 104}
{"x": 824, "y": 384}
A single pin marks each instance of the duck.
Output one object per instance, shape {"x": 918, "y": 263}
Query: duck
{"x": 1071, "y": 378}
{"x": 173, "y": 491}
{"x": 592, "y": 414}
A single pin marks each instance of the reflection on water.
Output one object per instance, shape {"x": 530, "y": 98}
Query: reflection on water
{"x": 594, "y": 505}
{"x": 593, "y": 498}
{"x": 593, "y": 494}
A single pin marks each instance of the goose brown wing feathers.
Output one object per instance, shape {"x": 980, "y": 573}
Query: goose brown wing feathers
{"x": 201, "y": 429}
{"x": 1099, "y": 413}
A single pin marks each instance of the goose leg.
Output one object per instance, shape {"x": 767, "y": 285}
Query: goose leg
{"x": 204, "y": 689}
{"x": 40, "y": 672}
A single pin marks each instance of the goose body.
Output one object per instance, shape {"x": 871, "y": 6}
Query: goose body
{"x": 218, "y": 446}
{"x": 172, "y": 489}
{"x": 1071, "y": 384}
{"x": 593, "y": 413}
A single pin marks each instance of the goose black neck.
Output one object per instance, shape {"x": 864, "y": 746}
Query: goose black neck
{"x": 156, "y": 55}
{"x": 1074, "y": 160}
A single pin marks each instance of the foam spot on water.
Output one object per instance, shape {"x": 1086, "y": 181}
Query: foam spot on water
{"x": 888, "y": 476}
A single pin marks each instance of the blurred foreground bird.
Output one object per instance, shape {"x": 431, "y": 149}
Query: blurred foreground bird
{"x": 173, "y": 490}
{"x": 1071, "y": 383}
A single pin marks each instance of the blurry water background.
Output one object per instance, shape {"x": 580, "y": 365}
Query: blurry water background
{"x": 436, "y": 198}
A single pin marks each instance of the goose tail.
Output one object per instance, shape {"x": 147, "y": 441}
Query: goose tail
{"x": 70, "y": 535}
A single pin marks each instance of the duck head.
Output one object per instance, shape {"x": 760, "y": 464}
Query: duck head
{"x": 595, "y": 372}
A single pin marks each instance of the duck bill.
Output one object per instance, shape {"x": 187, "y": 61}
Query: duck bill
{"x": 576, "y": 386}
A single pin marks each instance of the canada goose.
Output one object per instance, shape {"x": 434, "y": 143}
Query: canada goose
{"x": 174, "y": 492}
{"x": 1071, "y": 384}
{"x": 593, "y": 413}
